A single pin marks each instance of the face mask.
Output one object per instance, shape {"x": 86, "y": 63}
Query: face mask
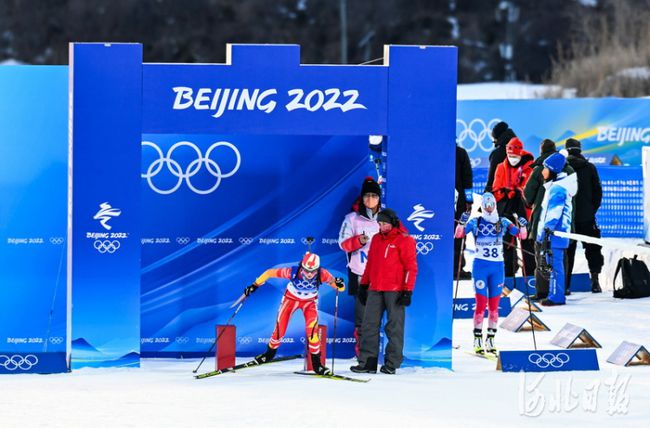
{"x": 385, "y": 227}
{"x": 514, "y": 160}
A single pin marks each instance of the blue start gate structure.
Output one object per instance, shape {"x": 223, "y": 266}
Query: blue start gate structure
{"x": 271, "y": 117}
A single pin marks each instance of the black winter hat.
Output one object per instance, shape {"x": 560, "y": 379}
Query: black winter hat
{"x": 499, "y": 129}
{"x": 370, "y": 186}
{"x": 573, "y": 144}
{"x": 388, "y": 216}
{"x": 548, "y": 146}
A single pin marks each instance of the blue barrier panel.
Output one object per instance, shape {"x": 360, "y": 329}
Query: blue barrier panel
{"x": 105, "y": 202}
{"x": 548, "y": 360}
{"x": 464, "y": 308}
{"x": 33, "y": 292}
{"x": 421, "y": 157}
{"x": 33, "y": 362}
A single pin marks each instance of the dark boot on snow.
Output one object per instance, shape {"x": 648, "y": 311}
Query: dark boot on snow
{"x": 369, "y": 367}
{"x": 267, "y": 356}
{"x": 318, "y": 367}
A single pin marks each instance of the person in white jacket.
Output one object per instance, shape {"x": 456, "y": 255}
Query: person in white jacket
{"x": 357, "y": 230}
{"x": 556, "y": 216}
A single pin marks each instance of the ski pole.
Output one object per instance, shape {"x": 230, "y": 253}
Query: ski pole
{"x": 523, "y": 271}
{"x": 219, "y": 336}
{"x": 336, "y": 313}
{"x": 460, "y": 262}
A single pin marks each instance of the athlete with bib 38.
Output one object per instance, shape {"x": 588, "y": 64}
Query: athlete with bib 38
{"x": 488, "y": 268}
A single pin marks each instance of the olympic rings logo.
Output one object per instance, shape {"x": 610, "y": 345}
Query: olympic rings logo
{"x": 192, "y": 168}
{"x": 56, "y": 240}
{"x": 106, "y": 246}
{"x": 182, "y": 240}
{"x": 549, "y": 360}
{"x": 476, "y": 131}
{"x": 245, "y": 340}
{"x": 245, "y": 241}
{"x": 487, "y": 229}
{"x": 18, "y": 362}
{"x": 182, "y": 340}
{"x": 304, "y": 285}
{"x": 56, "y": 340}
{"x": 424, "y": 248}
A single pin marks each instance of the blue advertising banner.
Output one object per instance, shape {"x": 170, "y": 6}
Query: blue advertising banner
{"x": 612, "y": 130}
{"x": 621, "y": 212}
{"x": 106, "y": 88}
{"x": 33, "y": 292}
{"x": 221, "y": 209}
{"x": 264, "y": 90}
{"x": 548, "y": 360}
{"x": 464, "y": 308}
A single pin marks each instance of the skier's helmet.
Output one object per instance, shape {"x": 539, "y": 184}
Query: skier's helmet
{"x": 310, "y": 262}
{"x": 488, "y": 203}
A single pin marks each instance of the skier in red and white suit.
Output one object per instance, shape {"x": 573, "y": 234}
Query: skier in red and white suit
{"x": 301, "y": 293}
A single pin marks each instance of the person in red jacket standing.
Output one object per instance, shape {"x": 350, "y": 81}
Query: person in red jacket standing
{"x": 387, "y": 285}
{"x": 510, "y": 179}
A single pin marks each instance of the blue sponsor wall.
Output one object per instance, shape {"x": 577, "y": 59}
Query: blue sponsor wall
{"x": 249, "y": 208}
{"x": 612, "y": 132}
{"x": 33, "y": 185}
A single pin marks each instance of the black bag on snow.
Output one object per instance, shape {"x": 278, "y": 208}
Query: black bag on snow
{"x": 636, "y": 279}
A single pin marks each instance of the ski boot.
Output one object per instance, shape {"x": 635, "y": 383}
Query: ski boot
{"x": 595, "y": 285}
{"x": 489, "y": 341}
{"x": 318, "y": 367}
{"x": 478, "y": 341}
{"x": 267, "y": 356}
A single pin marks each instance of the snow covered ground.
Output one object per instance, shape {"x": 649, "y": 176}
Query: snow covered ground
{"x": 163, "y": 393}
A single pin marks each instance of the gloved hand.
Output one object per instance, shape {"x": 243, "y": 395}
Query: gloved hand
{"x": 460, "y": 231}
{"x": 250, "y": 289}
{"x": 404, "y": 299}
{"x": 464, "y": 217}
{"x": 523, "y": 232}
{"x": 340, "y": 284}
{"x": 363, "y": 293}
{"x": 469, "y": 196}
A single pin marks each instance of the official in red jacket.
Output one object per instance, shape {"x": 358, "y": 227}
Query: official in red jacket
{"x": 387, "y": 285}
{"x": 510, "y": 179}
